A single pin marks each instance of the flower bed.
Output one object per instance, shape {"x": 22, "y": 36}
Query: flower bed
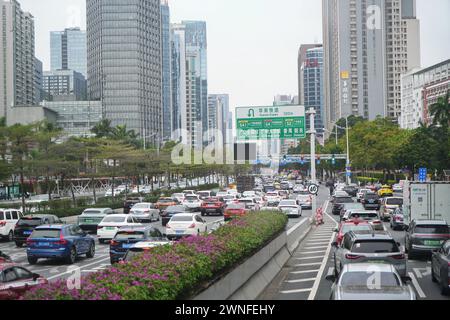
{"x": 174, "y": 272}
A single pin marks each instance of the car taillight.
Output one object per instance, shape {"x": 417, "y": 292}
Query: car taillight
{"x": 192, "y": 226}
{"x": 61, "y": 241}
{"x": 352, "y": 256}
{"x": 2, "y": 223}
{"x": 114, "y": 243}
{"x": 376, "y": 222}
{"x": 147, "y": 211}
{"x": 29, "y": 241}
{"x": 399, "y": 256}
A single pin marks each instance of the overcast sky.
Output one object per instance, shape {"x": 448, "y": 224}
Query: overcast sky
{"x": 252, "y": 44}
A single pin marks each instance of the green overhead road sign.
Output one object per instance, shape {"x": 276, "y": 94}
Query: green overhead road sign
{"x": 266, "y": 123}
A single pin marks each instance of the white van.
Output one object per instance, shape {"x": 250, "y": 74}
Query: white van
{"x": 8, "y": 220}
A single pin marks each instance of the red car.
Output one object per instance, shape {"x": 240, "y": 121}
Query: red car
{"x": 212, "y": 205}
{"x": 351, "y": 225}
{"x": 235, "y": 210}
{"x": 16, "y": 280}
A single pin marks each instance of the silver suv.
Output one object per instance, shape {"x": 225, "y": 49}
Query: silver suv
{"x": 369, "y": 247}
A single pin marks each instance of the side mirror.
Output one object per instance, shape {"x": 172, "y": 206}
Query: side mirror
{"x": 36, "y": 276}
{"x": 331, "y": 278}
{"x": 334, "y": 244}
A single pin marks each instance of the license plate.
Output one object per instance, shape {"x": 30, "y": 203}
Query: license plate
{"x": 43, "y": 244}
{"x": 110, "y": 228}
{"x": 180, "y": 231}
{"x": 432, "y": 243}
{"x": 89, "y": 220}
{"x": 127, "y": 245}
{"x": 27, "y": 232}
{"x": 376, "y": 261}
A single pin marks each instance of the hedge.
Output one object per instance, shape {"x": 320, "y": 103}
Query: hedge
{"x": 174, "y": 272}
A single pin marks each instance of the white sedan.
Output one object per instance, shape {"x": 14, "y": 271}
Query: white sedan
{"x": 145, "y": 212}
{"x": 290, "y": 208}
{"x": 109, "y": 226}
{"x": 185, "y": 224}
{"x": 192, "y": 202}
{"x": 305, "y": 201}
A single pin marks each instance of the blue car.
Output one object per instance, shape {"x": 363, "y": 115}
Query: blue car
{"x": 65, "y": 242}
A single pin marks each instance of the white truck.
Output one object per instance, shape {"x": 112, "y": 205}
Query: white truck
{"x": 426, "y": 201}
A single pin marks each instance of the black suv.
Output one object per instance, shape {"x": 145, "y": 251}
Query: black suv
{"x": 26, "y": 225}
{"x": 351, "y": 190}
{"x": 425, "y": 236}
{"x": 338, "y": 203}
{"x": 371, "y": 201}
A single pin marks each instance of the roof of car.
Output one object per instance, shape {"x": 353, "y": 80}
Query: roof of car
{"x": 430, "y": 222}
{"x": 364, "y": 267}
{"x": 185, "y": 214}
{"x": 137, "y": 228}
{"x": 30, "y": 216}
{"x": 368, "y": 235}
{"x": 53, "y": 226}
{"x": 355, "y": 222}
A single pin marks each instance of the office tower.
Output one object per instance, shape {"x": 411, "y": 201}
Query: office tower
{"x": 64, "y": 85}
{"x": 17, "y": 64}
{"x": 218, "y": 116}
{"x": 124, "y": 63}
{"x": 367, "y": 46}
{"x": 313, "y": 86}
{"x": 189, "y": 82}
{"x": 166, "y": 71}
{"x": 282, "y": 100}
{"x": 301, "y": 61}
{"x": 38, "y": 81}
{"x": 68, "y": 50}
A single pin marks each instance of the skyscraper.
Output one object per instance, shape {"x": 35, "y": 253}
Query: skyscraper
{"x": 313, "y": 86}
{"x": 301, "y": 61}
{"x": 166, "y": 71}
{"x": 38, "y": 81}
{"x": 17, "y": 60}
{"x": 68, "y": 50}
{"x": 367, "y": 46}
{"x": 218, "y": 116}
{"x": 190, "y": 82}
{"x": 64, "y": 85}
{"x": 124, "y": 63}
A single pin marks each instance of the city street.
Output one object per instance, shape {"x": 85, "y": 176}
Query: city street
{"x": 303, "y": 276}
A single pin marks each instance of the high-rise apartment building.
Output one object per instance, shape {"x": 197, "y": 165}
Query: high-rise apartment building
{"x": 301, "y": 65}
{"x": 124, "y": 63}
{"x": 64, "y": 85}
{"x": 190, "y": 82}
{"x": 313, "y": 86}
{"x": 166, "y": 71}
{"x": 17, "y": 60}
{"x": 367, "y": 46}
{"x": 38, "y": 81}
{"x": 68, "y": 50}
{"x": 218, "y": 116}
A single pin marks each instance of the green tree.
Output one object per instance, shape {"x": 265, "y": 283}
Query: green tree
{"x": 103, "y": 129}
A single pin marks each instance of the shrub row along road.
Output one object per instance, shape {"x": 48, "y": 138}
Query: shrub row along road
{"x": 303, "y": 276}
{"x": 54, "y": 269}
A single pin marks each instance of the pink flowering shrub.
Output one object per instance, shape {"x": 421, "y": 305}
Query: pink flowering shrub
{"x": 173, "y": 272}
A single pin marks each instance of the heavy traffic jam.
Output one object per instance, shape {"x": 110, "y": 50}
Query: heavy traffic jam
{"x": 376, "y": 237}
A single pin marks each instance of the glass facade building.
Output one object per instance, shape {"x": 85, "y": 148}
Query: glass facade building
{"x": 166, "y": 73}
{"x": 124, "y": 63}
{"x": 64, "y": 84}
{"x": 68, "y": 50}
{"x": 313, "y": 86}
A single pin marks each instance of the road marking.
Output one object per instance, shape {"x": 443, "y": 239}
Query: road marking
{"x": 295, "y": 291}
{"x": 308, "y": 264}
{"x": 300, "y": 280}
{"x": 318, "y": 242}
{"x": 308, "y": 252}
{"x": 308, "y": 258}
{"x": 304, "y": 271}
{"x": 313, "y": 292}
{"x": 330, "y": 271}
{"x": 80, "y": 267}
{"x": 417, "y": 286}
{"x": 316, "y": 247}
{"x": 319, "y": 238}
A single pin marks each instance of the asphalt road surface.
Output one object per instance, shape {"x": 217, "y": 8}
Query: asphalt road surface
{"x": 303, "y": 276}
{"x": 54, "y": 269}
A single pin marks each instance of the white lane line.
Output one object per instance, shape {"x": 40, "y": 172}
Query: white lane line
{"x": 316, "y": 247}
{"x": 300, "y": 280}
{"x": 309, "y": 252}
{"x": 319, "y": 239}
{"x": 80, "y": 267}
{"x": 330, "y": 271}
{"x": 318, "y": 242}
{"x": 416, "y": 285}
{"x": 308, "y": 264}
{"x": 313, "y": 292}
{"x": 295, "y": 291}
{"x": 307, "y": 258}
{"x": 304, "y": 271}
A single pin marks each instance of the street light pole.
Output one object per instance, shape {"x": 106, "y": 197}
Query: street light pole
{"x": 348, "y": 153}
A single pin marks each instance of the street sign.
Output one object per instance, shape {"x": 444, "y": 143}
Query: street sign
{"x": 313, "y": 189}
{"x": 423, "y": 174}
{"x": 271, "y": 122}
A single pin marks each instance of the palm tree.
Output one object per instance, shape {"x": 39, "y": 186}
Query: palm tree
{"x": 122, "y": 133}
{"x": 103, "y": 129}
{"x": 440, "y": 111}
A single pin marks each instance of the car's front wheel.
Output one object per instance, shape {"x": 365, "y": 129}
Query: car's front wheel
{"x": 10, "y": 236}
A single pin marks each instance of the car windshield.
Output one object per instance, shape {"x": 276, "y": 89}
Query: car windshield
{"x": 191, "y": 198}
{"x": 288, "y": 203}
{"x": 129, "y": 235}
{"x": 176, "y": 209}
{"x": 349, "y": 227}
{"x": 432, "y": 229}
{"x": 344, "y": 200}
{"x": 371, "y": 196}
{"x": 46, "y": 233}
{"x": 235, "y": 206}
{"x": 29, "y": 222}
{"x": 181, "y": 219}
{"x": 375, "y": 246}
{"x": 394, "y": 201}
{"x": 165, "y": 200}
{"x": 85, "y": 212}
{"x": 361, "y": 278}
{"x": 365, "y": 216}
{"x": 114, "y": 219}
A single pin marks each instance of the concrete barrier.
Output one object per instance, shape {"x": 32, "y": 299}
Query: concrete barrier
{"x": 248, "y": 280}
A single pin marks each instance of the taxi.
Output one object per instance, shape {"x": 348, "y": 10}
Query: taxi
{"x": 385, "y": 191}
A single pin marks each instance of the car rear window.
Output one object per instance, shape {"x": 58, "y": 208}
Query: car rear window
{"x": 114, "y": 219}
{"x": 361, "y": 278}
{"x": 375, "y": 246}
{"x": 165, "y": 200}
{"x": 46, "y": 233}
{"x": 365, "y": 216}
{"x": 181, "y": 219}
{"x": 29, "y": 222}
{"x": 288, "y": 203}
{"x": 432, "y": 229}
{"x": 235, "y": 206}
{"x": 349, "y": 227}
{"x": 344, "y": 200}
{"x": 92, "y": 212}
{"x": 394, "y": 201}
{"x": 371, "y": 196}
{"x": 140, "y": 206}
{"x": 130, "y": 235}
